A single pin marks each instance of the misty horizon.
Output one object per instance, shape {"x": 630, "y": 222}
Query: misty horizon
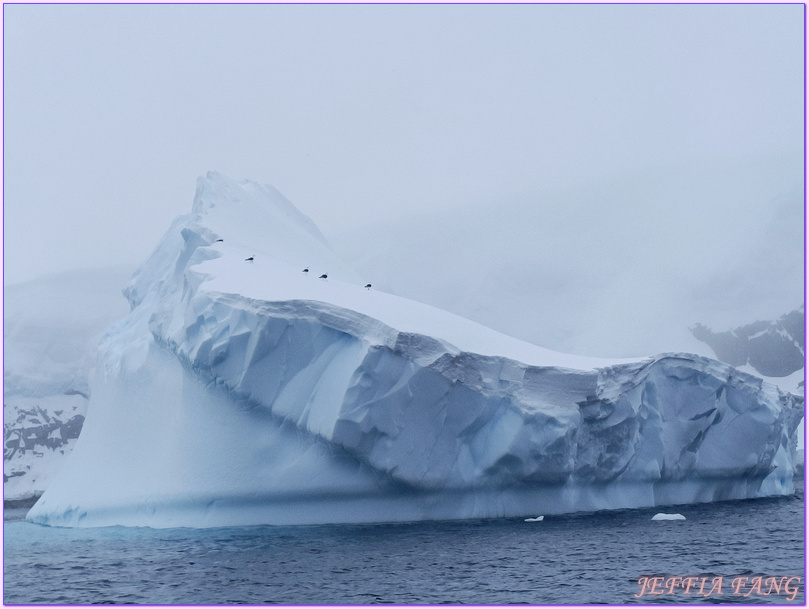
{"x": 621, "y": 172}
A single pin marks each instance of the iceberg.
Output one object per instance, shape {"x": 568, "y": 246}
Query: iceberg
{"x": 243, "y": 393}
{"x": 662, "y": 516}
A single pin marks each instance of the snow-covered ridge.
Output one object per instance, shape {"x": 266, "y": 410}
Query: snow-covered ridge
{"x": 246, "y": 391}
{"x": 773, "y": 349}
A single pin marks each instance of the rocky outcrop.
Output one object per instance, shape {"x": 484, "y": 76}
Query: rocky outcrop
{"x": 773, "y": 348}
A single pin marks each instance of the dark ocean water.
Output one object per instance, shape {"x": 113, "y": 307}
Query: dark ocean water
{"x": 584, "y": 558}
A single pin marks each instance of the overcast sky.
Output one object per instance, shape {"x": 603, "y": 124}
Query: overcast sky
{"x": 359, "y": 114}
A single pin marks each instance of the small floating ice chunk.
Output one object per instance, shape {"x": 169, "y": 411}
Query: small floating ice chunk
{"x": 662, "y": 516}
{"x": 537, "y": 519}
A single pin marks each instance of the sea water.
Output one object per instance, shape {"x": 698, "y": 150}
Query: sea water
{"x": 747, "y": 552}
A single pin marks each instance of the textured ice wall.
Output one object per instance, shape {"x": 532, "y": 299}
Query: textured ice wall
{"x": 433, "y": 418}
{"x": 215, "y": 408}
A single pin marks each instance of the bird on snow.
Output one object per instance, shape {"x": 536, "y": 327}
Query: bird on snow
{"x": 219, "y": 241}
{"x": 323, "y": 276}
{"x": 305, "y": 270}
{"x": 250, "y": 259}
{"x": 367, "y": 286}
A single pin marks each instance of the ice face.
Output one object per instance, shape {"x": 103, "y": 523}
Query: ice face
{"x": 247, "y": 393}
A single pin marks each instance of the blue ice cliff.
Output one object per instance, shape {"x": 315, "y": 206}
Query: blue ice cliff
{"x": 241, "y": 392}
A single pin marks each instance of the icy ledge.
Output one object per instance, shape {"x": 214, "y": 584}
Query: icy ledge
{"x": 243, "y": 393}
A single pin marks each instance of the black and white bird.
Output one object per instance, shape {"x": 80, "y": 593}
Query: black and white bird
{"x": 367, "y": 286}
{"x": 305, "y": 270}
{"x": 250, "y": 259}
{"x": 323, "y": 276}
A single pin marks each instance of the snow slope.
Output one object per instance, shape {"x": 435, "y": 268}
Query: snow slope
{"x": 245, "y": 391}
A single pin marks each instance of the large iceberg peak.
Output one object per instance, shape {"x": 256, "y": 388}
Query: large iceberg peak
{"x": 252, "y": 213}
{"x": 254, "y": 219}
{"x": 240, "y": 390}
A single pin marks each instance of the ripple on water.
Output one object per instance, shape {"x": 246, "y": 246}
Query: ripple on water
{"x": 592, "y": 558}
